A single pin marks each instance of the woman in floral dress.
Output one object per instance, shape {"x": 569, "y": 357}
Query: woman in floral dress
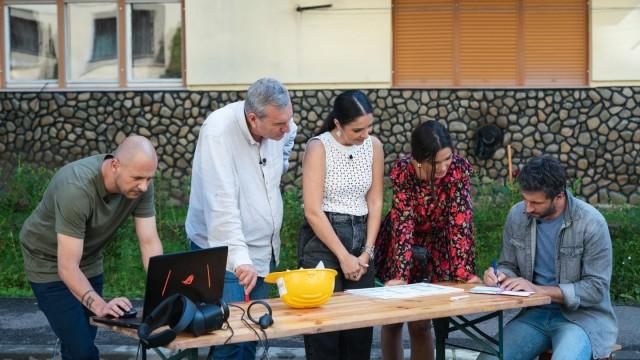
{"x": 428, "y": 234}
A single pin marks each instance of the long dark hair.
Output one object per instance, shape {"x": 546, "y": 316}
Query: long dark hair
{"x": 347, "y": 107}
{"x": 426, "y": 140}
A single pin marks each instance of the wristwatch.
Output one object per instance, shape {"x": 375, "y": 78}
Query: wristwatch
{"x": 369, "y": 250}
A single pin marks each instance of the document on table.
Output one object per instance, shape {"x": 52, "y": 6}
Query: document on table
{"x": 405, "y": 291}
{"x": 491, "y": 290}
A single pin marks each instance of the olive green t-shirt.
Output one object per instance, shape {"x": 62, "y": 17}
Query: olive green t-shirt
{"x": 76, "y": 204}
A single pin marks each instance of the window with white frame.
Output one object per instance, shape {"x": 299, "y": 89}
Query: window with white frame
{"x": 102, "y": 44}
{"x": 154, "y": 32}
{"x": 30, "y": 43}
{"x": 92, "y": 42}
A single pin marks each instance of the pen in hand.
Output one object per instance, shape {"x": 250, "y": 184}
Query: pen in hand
{"x": 495, "y": 271}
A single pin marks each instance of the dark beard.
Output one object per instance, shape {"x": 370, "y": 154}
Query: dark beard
{"x": 550, "y": 211}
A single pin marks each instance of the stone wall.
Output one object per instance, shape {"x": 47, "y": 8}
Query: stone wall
{"x": 595, "y": 132}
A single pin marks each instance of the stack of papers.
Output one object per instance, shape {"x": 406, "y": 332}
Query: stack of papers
{"x": 497, "y": 291}
{"x": 405, "y": 291}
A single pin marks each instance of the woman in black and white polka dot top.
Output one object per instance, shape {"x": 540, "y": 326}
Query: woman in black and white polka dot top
{"x": 342, "y": 188}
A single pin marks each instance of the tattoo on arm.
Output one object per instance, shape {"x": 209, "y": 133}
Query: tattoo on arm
{"x": 89, "y": 302}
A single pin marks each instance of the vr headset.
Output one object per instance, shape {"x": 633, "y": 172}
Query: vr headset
{"x": 181, "y": 314}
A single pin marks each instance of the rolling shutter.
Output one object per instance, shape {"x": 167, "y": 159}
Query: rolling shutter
{"x": 555, "y": 42}
{"x": 489, "y": 43}
{"x": 423, "y": 43}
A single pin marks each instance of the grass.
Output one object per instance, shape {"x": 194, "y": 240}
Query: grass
{"x": 123, "y": 267}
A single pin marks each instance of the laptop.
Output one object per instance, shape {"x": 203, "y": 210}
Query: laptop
{"x": 196, "y": 274}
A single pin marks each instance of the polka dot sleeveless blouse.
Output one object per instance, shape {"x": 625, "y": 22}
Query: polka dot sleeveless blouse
{"x": 348, "y": 176}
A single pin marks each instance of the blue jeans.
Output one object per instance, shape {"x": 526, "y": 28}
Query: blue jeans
{"x": 232, "y": 292}
{"x": 539, "y": 329}
{"x": 68, "y": 318}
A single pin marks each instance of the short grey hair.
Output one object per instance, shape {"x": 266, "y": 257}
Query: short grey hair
{"x": 264, "y": 92}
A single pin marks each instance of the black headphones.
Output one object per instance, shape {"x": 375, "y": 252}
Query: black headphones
{"x": 265, "y": 319}
{"x": 180, "y": 314}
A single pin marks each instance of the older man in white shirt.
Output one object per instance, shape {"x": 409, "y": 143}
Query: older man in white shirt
{"x": 235, "y": 201}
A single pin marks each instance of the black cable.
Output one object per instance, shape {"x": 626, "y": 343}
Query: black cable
{"x": 261, "y": 342}
{"x": 264, "y": 343}
{"x": 230, "y": 329}
{"x": 243, "y": 319}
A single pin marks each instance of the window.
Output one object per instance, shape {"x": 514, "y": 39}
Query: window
{"x": 25, "y": 35}
{"x": 156, "y": 42}
{"x": 480, "y": 43}
{"x": 105, "y": 44}
{"x": 110, "y": 42}
{"x": 142, "y": 33}
{"x": 31, "y": 42}
{"x": 92, "y": 46}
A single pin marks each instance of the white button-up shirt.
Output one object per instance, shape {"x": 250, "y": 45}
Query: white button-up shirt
{"x": 235, "y": 198}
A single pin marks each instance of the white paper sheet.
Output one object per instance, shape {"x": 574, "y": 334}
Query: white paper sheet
{"x": 491, "y": 290}
{"x": 405, "y": 291}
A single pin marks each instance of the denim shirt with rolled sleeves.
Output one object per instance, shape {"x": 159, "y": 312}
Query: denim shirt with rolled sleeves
{"x": 583, "y": 266}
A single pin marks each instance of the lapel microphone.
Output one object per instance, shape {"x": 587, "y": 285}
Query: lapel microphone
{"x": 263, "y": 161}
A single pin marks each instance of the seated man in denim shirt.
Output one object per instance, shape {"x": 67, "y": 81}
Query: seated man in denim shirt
{"x": 556, "y": 245}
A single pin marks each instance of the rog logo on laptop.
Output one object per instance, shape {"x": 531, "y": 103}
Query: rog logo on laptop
{"x": 188, "y": 280}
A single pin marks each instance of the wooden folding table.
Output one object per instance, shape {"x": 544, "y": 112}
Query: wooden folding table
{"x": 347, "y": 311}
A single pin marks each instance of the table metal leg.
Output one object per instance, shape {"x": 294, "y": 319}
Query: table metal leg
{"x": 500, "y": 336}
{"x": 483, "y": 342}
{"x": 210, "y": 354}
{"x": 441, "y": 328}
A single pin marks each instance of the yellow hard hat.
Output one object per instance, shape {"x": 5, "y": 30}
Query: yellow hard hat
{"x": 304, "y": 288}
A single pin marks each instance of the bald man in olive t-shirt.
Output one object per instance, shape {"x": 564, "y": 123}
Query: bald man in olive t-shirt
{"x": 85, "y": 203}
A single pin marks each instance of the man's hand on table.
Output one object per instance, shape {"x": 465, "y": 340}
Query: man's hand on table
{"x": 116, "y": 307}
{"x": 518, "y": 284}
{"x": 490, "y": 278}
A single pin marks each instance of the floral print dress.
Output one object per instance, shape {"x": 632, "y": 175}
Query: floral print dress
{"x": 435, "y": 216}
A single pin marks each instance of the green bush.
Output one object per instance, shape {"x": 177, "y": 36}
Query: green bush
{"x": 123, "y": 266}
{"x": 625, "y": 235}
{"x": 291, "y": 224}
{"x": 18, "y": 197}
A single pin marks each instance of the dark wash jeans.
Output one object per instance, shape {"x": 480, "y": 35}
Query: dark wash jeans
{"x": 352, "y": 231}
{"x": 68, "y": 318}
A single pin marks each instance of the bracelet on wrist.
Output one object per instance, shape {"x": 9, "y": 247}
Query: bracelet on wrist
{"x": 370, "y": 251}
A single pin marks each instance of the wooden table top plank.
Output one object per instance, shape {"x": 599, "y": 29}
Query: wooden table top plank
{"x": 343, "y": 317}
{"x": 347, "y": 311}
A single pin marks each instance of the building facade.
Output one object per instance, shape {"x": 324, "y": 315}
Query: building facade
{"x": 556, "y": 77}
